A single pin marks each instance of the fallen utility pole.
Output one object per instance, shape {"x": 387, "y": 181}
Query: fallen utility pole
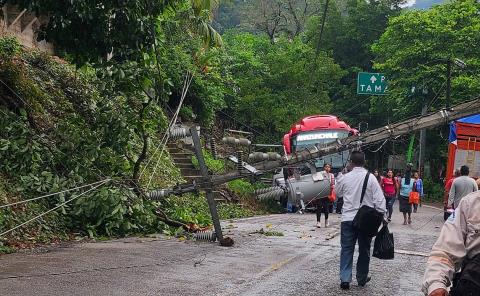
{"x": 391, "y": 131}
{"x": 207, "y": 183}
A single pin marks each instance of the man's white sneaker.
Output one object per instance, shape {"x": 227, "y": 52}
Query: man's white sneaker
{"x": 319, "y": 225}
{"x": 327, "y": 224}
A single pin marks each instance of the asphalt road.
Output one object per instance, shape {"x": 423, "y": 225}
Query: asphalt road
{"x": 302, "y": 262}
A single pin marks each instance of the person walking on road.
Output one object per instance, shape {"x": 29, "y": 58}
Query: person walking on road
{"x": 346, "y": 170}
{"x": 418, "y": 187}
{"x": 390, "y": 187}
{"x": 324, "y": 202}
{"x": 350, "y": 188}
{"x": 458, "y": 247}
{"x": 377, "y": 175}
{"x": 406, "y": 186}
{"x": 448, "y": 185}
{"x": 461, "y": 186}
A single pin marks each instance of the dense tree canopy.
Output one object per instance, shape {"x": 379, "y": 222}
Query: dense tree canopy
{"x": 277, "y": 84}
{"x": 415, "y": 49}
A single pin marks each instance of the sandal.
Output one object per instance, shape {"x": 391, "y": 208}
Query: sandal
{"x": 409, "y": 220}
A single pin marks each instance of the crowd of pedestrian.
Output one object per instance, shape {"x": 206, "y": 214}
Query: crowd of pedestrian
{"x": 454, "y": 264}
{"x": 406, "y": 187}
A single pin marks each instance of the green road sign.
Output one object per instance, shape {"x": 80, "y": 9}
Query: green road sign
{"x": 371, "y": 84}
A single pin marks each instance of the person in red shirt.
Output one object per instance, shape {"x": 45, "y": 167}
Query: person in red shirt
{"x": 389, "y": 186}
{"x": 448, "y": 186}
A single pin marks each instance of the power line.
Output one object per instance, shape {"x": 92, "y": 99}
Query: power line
{"x": 249, "y": 127}
{"x": 322, "y": 28}
{"x": 172, "y": 122}
{"x": 188, "y": 81}
{"x": 49, "y": 195}
{"x": 53, "y": 209}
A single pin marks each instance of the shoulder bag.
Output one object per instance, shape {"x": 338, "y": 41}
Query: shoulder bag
{"x": 414, "y": 196}
{"x": 367, "y": 220}
{"x": 467, "y": 282}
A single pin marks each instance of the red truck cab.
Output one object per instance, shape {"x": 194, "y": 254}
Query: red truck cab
{"x": 319, "y": 130}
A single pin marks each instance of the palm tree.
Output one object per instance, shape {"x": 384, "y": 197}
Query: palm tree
{"x": 203, "y": 12}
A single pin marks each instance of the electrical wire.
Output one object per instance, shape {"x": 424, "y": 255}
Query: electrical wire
{"x": 381, "y": 146}
{"x": 174, "y": 120}
{"x": 249, "y": 127}
{"x": 53, "y": 209}
{"x": 164, "y": 137}
{"x": 49, "y": 195}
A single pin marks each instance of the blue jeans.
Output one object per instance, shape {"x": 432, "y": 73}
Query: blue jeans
{"x": 348, "y": 238}
{"x": 390, "y": 201}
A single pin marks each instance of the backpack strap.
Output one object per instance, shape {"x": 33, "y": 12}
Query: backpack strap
{"x": 364, "y": 188}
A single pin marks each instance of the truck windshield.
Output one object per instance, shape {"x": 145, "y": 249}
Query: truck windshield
{"x": 317, "y": 138}
{"x": 320, "y": 139}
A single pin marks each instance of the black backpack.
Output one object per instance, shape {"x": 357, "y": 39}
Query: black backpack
{"x": 467, "y": 282}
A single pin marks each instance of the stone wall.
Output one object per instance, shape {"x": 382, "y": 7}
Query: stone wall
{"x": 23, "y": 25}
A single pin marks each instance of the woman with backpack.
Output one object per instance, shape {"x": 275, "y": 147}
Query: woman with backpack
{"x": 406, "y": 186}
{"x": 390, "y": 187}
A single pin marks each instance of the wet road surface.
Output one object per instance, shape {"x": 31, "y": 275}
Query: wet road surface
{"x": 305, "y": 261}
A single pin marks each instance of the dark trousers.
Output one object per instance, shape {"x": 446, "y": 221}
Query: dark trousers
{"x": 348, "y": 238}
{"x": 322, "y": 207}
{"x": 339, "y": 207}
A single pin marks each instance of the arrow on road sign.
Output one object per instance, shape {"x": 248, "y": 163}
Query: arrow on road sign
{"x": 371, "y": 84}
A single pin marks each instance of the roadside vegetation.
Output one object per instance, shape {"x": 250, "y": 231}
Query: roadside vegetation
{"x": 81, "y": 117}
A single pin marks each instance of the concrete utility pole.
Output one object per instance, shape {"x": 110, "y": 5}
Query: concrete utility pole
{"x": 423, "y": 134}
{"x": 390, "y": 131}
{"x": 207, "y": 183}
{"x": 423, "y": 143}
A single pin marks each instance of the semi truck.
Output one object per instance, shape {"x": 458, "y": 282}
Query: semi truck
{"x": 304, "y": 185}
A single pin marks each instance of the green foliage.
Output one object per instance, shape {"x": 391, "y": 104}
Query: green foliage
{"x": 277, "y": 84}
{"x": 190, "y": 208}
{"x": 59, "y": 133}
{"x": 214, "y": 165}
{"x": 413, "y": 51}
{"x": 433, "y": 191}
{"x": 114, "y": 211}
{"x": 241, "y": 188}
{"x": 234, "y": 211}
{"x": 6, "y": 250}
{"x": 193, "y": 208}
{"x": 89, "y": 32}
{"x": 274, "y": 233}
{"x": 351, "y": 27}
{"x": 9, "y": 47}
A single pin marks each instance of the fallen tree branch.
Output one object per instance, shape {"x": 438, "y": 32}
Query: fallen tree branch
{"x": 164, "y": 218}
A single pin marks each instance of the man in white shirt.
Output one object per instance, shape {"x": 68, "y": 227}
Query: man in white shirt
{"x": 350, "y": 188}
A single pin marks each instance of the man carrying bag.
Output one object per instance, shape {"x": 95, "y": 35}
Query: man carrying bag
{"x": 359, "y": 189}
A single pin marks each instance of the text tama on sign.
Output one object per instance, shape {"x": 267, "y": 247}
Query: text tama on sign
{"x": 371, "y": 84}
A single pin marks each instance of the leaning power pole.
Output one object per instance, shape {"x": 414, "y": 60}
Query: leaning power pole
{"x": 391, "y": 131}
{"x": 388, "y": 132}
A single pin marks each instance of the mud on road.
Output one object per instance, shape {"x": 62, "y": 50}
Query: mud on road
{"x": 304, "y": 261}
